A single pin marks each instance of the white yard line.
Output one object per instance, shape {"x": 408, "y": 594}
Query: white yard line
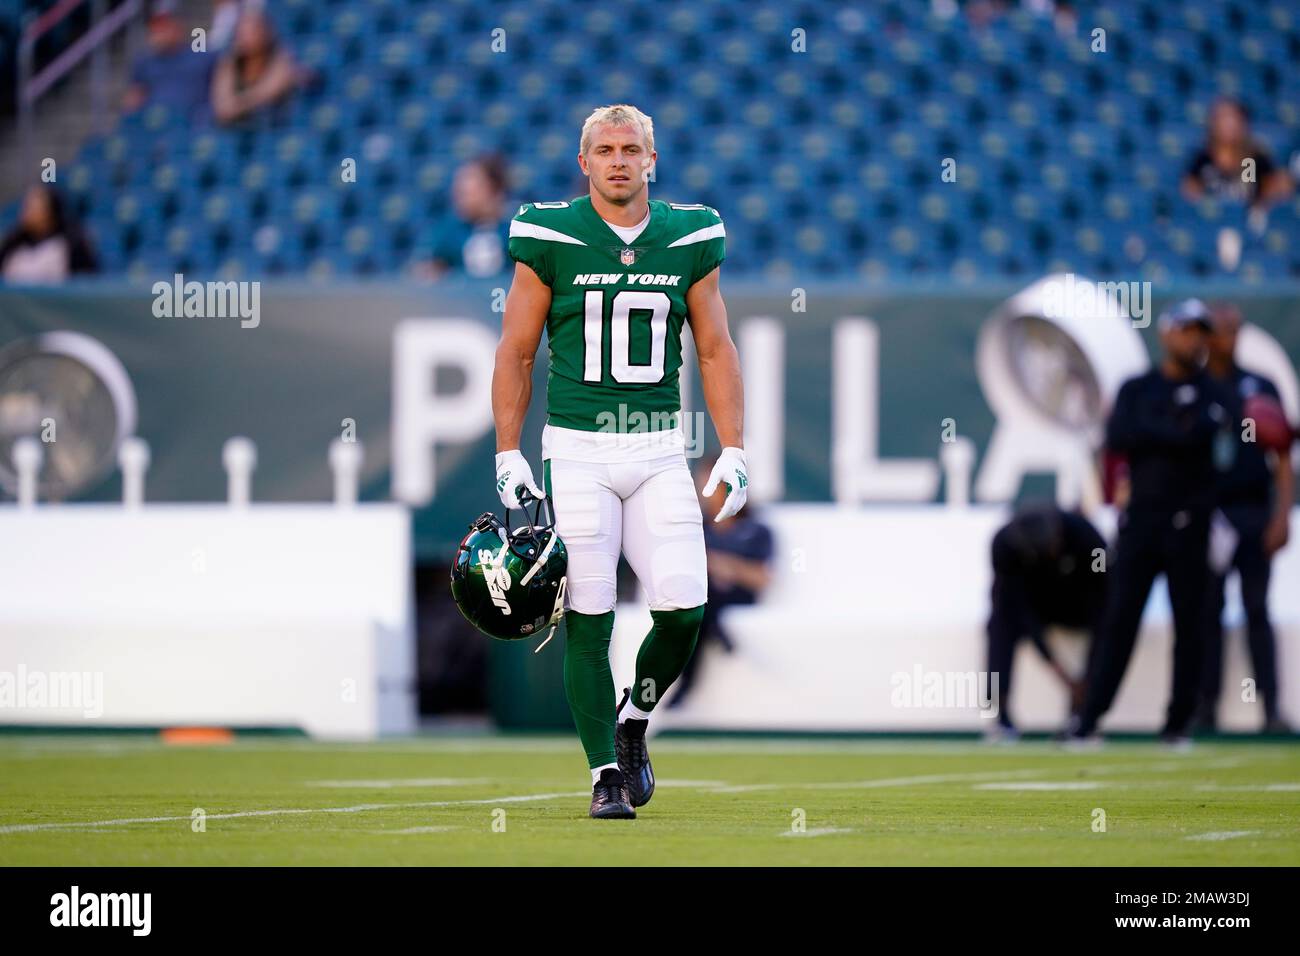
{"x": 1222, "y": 835}
{"x": 291, "y": 811}
{"x": 992, "y": 775}
{"x": 882, "y": 782}
{"x": 691, "y": 784}
{"x": 397, "y": 784}
{"x": 816, "y": 831}
{"x": 707, "y": 786}
{"x": 1041, "y": 785}
{"x": 1227, "y": 763}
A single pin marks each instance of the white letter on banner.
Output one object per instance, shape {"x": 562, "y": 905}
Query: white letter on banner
{"x": 857, "y": 473}
{"x": 761, "y": 343}
{"x": 422, "y": 418}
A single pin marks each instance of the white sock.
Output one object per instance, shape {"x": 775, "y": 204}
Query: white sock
{"x": 595, "y": 771}
{"x": 632, "y": 710}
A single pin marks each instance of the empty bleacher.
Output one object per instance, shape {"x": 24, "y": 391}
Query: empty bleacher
{"x": 825, "y": 163}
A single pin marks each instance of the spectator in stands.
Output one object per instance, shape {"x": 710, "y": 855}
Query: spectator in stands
{"x": 171, "y": 74}
{"x": 225, "y": 18}
{"x": 739, "y": 553}
{"x": 46, "y": 245}
{"x": 256, "y": 73}
{"x": 1220, "y": 169}
{"x": 472, "y": 240}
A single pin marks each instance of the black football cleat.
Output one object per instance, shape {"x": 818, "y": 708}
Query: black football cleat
{"x": 610, "y": 799}
{"x": 633, "y": 757}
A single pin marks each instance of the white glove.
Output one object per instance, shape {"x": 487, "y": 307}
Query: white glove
{"x": 513, "y": 473}
{"x": 730, "y": 470}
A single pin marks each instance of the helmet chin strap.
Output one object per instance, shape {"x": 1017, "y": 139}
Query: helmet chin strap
{"x": 556, "y": 613}
{"x": 541, "y": 559}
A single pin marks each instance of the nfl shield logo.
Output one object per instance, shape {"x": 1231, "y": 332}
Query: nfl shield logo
{"x": 627, "y": 257}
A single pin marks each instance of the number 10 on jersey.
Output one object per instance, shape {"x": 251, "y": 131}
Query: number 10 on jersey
{"x": 621, "y": 368}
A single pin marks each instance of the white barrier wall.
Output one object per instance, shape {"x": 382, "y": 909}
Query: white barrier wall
{"x": 300, "y": 615}
{"x": 269, "y": 615}
{"x": 868, "y": 603}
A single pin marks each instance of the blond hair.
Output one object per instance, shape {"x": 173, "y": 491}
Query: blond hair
{"x": 620, "y": 115}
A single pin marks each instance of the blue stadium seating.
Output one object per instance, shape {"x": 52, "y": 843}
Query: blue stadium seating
{"x": 828, "y": 160}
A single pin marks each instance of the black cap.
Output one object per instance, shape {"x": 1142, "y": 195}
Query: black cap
{"x": 1184, "y": 313}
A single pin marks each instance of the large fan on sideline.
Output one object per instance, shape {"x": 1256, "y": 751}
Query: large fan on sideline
{"x": 71, "y": 393}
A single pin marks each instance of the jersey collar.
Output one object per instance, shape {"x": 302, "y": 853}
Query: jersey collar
{"x": 615, "y": 244}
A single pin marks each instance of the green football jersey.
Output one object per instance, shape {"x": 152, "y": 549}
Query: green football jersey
{"x": 617, "y": 309}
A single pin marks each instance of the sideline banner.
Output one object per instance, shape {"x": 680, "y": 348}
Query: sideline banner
{"x": 876, "y": 379}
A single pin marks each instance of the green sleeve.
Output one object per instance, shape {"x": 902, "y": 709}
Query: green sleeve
{"x": 712, "y": 251}
{"x": 534, "y": 253}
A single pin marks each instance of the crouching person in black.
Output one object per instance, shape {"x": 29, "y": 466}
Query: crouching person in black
{"x": 1048, "y": 569}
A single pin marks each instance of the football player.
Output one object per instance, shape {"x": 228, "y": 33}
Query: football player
{"x": 614, "y": 277}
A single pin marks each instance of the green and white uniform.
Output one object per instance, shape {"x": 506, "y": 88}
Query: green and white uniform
{"x": 613, "y": 446}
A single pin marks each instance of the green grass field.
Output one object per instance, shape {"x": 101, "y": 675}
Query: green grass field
{"x": 129, "y": 800}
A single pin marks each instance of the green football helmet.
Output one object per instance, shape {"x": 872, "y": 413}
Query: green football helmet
{"x": 511, "y": 584}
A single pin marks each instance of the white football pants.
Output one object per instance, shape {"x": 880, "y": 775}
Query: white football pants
{"x": 646, "y": 508}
